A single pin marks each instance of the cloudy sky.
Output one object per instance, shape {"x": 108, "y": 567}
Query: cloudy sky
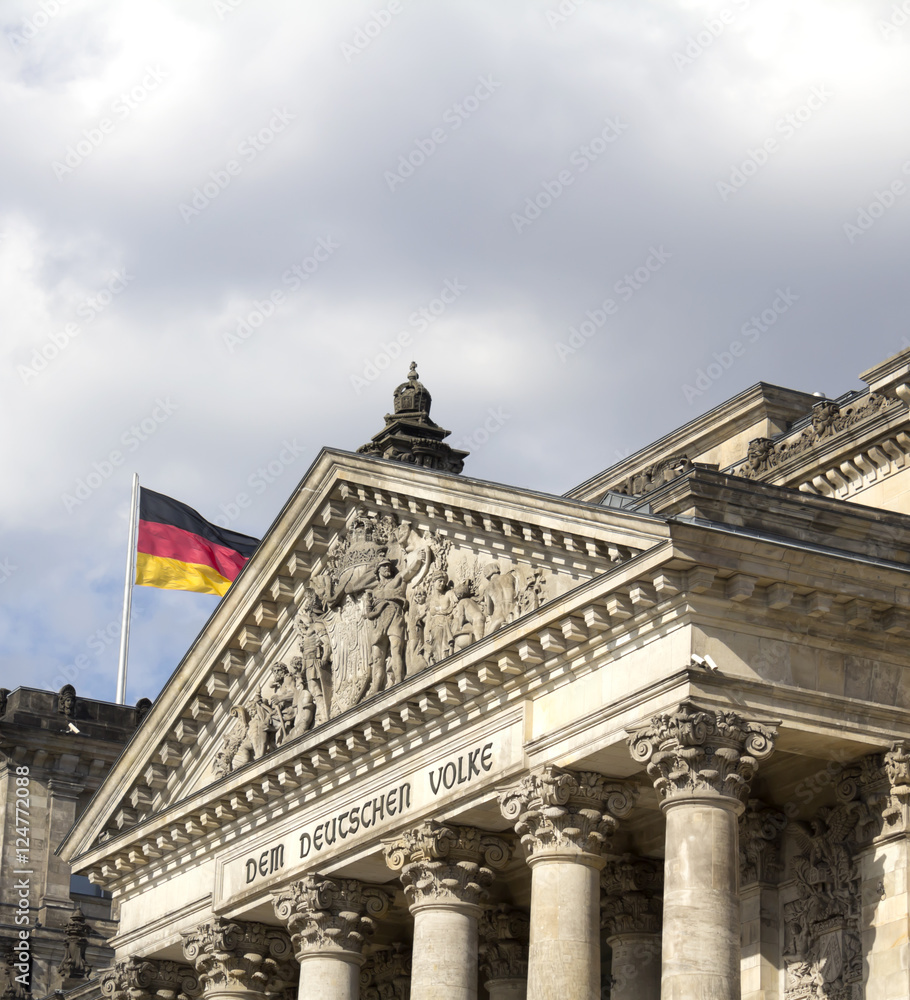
{"x": 227, "y": 226}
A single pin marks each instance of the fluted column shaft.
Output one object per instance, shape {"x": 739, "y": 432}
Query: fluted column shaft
{"x": 445, "y": 878}
{"x": 565, "y": 820}
{"x": 701, "y": 762}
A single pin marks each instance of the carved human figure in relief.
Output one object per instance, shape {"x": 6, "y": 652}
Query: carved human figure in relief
{"x": 411, "y": 553}
{"x": 293, "y": 705}
{"x": 468, "y": 621}
{"x": 385, "y": 609}
{"x": 498, "y": 597}
{"x": 316, "y": 652}
{"x": 415, "y": 658}
{"x": 438, "y": 632}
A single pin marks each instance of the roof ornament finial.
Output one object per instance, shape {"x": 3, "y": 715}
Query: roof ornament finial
{"x": 410, "y": 435}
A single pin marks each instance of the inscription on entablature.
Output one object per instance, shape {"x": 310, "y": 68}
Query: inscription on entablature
{"x": 370, "y": 813}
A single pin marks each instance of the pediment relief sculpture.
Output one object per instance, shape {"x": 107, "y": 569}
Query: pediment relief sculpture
{"x": 388, "y": 602}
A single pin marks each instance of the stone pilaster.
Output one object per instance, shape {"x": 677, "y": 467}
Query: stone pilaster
{"x": 329, "y": 920}
{"x": 148, "y": 978}
{"x": 701, "y": 762}
{"x": 445, "y": 870}
{"x": 565, "y": 820}
{"x": 631, "y": 908}
{"x": 237, "y": 959}
{"x": 760, "y": 830}
{"x": 386, "y": 974}
{"x": 504, "y": 952}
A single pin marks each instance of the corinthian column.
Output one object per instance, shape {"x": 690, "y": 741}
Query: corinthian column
{"x": 237, "y": 960}
{"x": 445, "y": 871}
{"x": 631, "y": 915}
{"x": 504, "y": 953}
{"x": 149, "y": 979}
{"x": 565, "y": 821}
{"x": 701, "y": 762}
{"x": 329, "y": 920}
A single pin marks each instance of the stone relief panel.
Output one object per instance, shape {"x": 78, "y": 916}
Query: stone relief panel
{"x": 389, "y": 602}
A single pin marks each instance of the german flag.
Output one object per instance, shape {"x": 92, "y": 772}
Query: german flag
{"x": 177, "y": 549}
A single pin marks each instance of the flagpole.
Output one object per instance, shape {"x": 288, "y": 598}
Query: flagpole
{"x": 128, "y": 591}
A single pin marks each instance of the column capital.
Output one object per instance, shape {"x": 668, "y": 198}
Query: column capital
{"x": 446, "y": 864}
{"x": 504, "y": 933}
{"x": 329, "y": 915}
{"x": 632, "y": 896}
{"x": 701, "y": 752}
{"x": 146, "y": 978}
{"x": 557, "y": 811}
{"x": 238, "y": 956}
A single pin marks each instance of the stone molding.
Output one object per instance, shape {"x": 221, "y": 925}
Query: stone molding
{"x": 632, "y": 896}
{"x": 234, "y": 955}
{"x": 554, "y": 810}
{"x": 147, "y": 978}
{"x": 696, "y": 751}
{"x": 504, "y": 932}
{"x": 386, "y": 974}
{"x": 329, "y": 914}
{"x": 445, "y": 863}
{"x": 760, "y": 830}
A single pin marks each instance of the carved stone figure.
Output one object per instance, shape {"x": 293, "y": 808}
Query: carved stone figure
{"x": 76, "y": 935}
{"x": 316, "y": 651}
{"x": 385, "y": 608}
{"x": 440, "y": 616}
{"x": 415, "y": 659}
{"x": 292, "y": 702}
{"x": 66, "y": 701}
{"x": 498, "y": 597}
{"x": 468, "y": 619}
{"x": 143, "y": 707}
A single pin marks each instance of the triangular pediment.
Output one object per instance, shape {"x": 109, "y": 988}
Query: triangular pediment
{"x": 374, "y": 572}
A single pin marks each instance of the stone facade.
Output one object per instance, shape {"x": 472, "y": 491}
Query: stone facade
{"x": 450, "y": 740}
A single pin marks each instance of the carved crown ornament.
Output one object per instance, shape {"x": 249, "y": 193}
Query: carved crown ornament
{"x": 557, "y": 810}
{"x": 698, "y": 752}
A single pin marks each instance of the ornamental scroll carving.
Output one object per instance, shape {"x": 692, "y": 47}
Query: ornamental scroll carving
{"x": 329, "y": 914}
{"x": 442, "y": 862}
{"x": 503, "y": 951}
{"x": 234, "y": 954}
{"x": 388, "y": 602}
{"x": 632, "y": 896}
{"x": 557, "y": 810}
{"x": 695, "y": 751}
{"x": 827, "y": 420}
{"x": 147, "y": 978}
{"x": 386, "y": 974}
